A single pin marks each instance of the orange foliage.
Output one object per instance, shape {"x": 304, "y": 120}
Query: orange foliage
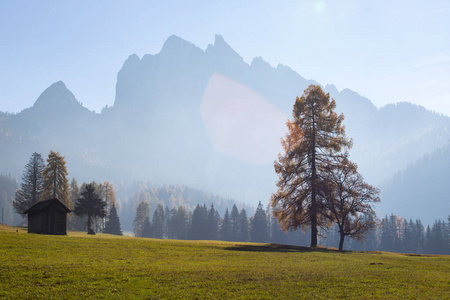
{"x": 293, "y": 138}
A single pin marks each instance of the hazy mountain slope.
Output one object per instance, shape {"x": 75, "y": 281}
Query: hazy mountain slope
{"x": 174, "y": 80}
{"x": 387, "y": 140}
{"x": 157, "y": 129}
{"x": 57, "y": 121}
{"x": 421, "y": 191}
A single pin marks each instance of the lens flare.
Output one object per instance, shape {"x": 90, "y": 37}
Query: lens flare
{"x": 240, "y": 122}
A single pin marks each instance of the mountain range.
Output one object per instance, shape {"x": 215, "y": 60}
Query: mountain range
{"x": 208, "y": 119}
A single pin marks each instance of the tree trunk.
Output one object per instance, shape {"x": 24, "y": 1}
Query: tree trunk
{"x": 313, "y": 217}
{"x": 314, "y": 236}
{"x": 89, "y": 223}
{"x": 313, "y": 208}
{"x": 341, "y": 242}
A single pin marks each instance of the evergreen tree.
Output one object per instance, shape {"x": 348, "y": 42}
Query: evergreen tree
{"x": 234, "y": 220}
{"x": 199, "y": 223}
{"x": 168, "y": 215}
{"x": 407, "y": 238}
{"x": 146, "y": 228}
{"x": 179, "y": 224}
{"x": 75, "y": 222}
{"x": 142, "y": 212}
{"x": 259, "y": 229}
{"x": 30, "y": 191}
{"x": 112, "y": 225}
{"x": 170, "y": 224}
{"x": 413, "y": 239}
{"x": 437, "y": 243}
{"x": 277, "y": 235}
{"x": 213, "y": 221}
{"x": 98, "y": 223}
{"x": 390, "y": 233}
{"x": 225, "y": 228}
{"x": 371, "y": 243}
{"x": 56, "y": 184}
{"x": 419, "y": 234}
{"x": 385, "y": 235}
{"x": 243, "y": 230}
{"x": 158, "y": 222}
{"x": 90, "y": 204}
{"x": 315, "y": 140}
{"x": 428, "y": 241}
{"x": 397, "y": 231}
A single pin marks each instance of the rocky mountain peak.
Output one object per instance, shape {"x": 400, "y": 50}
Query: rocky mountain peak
{"x": 222, "y": 50}
{"x": 260, "y": 63}
{"x": 55, "y": 94}
{"x": 331, "y": 88}
{"x": 176, "y": 46}
{"x": 59, "y": 98}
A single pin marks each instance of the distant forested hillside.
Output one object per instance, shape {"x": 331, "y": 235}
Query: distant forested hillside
{"x": 422, "y": 190}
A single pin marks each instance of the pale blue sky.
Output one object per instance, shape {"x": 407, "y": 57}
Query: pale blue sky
{"x": 388, "y": 51}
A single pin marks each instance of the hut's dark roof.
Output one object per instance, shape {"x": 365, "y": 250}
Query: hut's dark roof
{"x": 43, "y": 204}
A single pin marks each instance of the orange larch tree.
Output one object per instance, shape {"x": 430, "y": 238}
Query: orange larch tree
{"x": 315, "y": 140}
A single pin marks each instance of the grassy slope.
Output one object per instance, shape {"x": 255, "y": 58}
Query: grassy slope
{"x": 81, "y": 266}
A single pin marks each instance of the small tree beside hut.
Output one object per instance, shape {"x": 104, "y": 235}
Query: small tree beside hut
{"x": 90, "y": 204}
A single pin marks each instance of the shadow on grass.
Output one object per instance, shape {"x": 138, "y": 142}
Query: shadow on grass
{"x": 287, "y": 248}
{"x": 279, "y": 248}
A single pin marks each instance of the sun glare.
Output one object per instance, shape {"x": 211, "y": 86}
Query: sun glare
{"x": 240, "y": 122}
{"x": 319, "y": 7}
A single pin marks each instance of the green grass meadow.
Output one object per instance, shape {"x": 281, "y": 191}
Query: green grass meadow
{"x": 78, "y": 266}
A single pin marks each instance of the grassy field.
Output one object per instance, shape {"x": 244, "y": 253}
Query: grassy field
{"x": 79, "y": 266}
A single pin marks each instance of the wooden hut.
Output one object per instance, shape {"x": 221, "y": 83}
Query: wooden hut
{"x": 48, "y": 217}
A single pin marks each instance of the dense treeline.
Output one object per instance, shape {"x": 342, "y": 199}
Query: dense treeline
{"x": 395, "y": 234}
{"x": 167, "y": 195}
{"x": 188, "y": 220}
{"x": 205, "y": 223}
{"x": 392, "y": 234}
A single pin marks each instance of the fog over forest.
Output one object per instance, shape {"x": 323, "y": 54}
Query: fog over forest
{"x": 206, "y": 119}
